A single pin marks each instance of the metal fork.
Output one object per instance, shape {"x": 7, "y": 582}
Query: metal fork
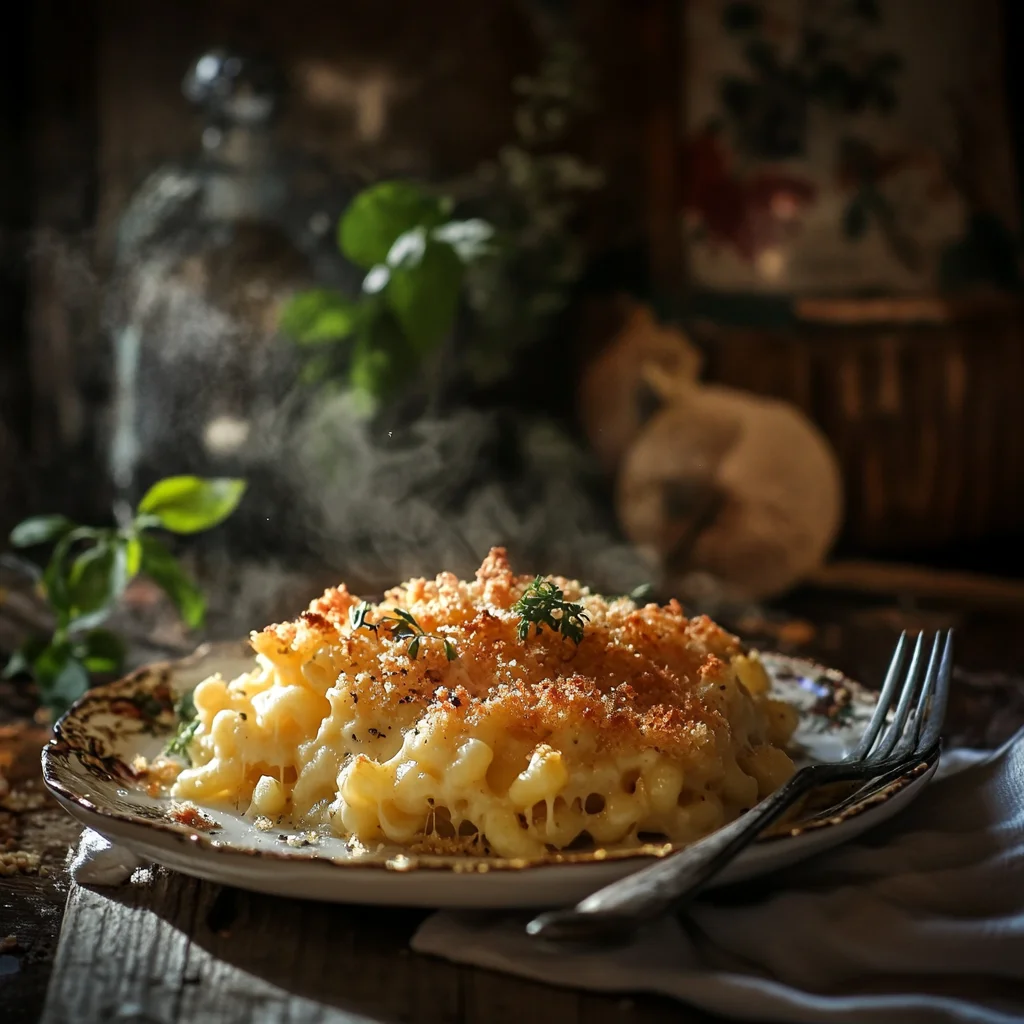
{"x": 889, "y": 744}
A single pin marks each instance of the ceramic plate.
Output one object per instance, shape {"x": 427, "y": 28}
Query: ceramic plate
{"x": 87, "y": 765}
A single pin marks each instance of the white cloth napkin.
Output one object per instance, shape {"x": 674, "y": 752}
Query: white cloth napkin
{"x": 919, "y": 921}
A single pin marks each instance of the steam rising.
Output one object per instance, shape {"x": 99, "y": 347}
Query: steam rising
{"x": 438, "y": 498}
{"x": 199, "y": 382}
{"x": 203, "y": 385}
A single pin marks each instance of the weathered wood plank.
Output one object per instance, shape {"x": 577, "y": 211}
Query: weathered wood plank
{"x": 132, "y": 953}
{"x": 30, "y": 910}
{"x": 167, "y": 948}
{"x": 31, "y": 904}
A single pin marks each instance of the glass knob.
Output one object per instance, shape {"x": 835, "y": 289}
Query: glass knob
{"x": 230, "y": 87}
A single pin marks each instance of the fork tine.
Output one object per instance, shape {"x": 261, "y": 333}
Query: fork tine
{"x": 940, "y": 698}
{"x": 899, "y": 721}
{"x": 892, "y": 676}
{"x": 911, "y": 735}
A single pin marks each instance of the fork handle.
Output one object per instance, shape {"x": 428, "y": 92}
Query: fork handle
{"x": 624, "y": 905}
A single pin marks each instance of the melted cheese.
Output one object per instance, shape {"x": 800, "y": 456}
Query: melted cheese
{"x": 654, "y": 724}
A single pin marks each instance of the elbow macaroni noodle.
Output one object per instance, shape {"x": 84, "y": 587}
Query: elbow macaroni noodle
{"x": 655, "y": 725}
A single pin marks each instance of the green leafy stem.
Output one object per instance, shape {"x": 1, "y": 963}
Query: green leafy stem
{"x": 89, "y": 569}
{"x": 415, "y": 256}
{"x": 543, "y": 603}
{"x": 402, "y": 625}
{"x": 188, "y": 727}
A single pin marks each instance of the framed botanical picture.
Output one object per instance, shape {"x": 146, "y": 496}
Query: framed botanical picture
{"x": 846, "y": 147}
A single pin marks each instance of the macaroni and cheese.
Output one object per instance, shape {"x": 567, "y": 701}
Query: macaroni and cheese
{"x": 652, "y": 725}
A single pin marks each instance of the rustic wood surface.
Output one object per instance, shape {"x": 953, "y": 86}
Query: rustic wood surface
{"x": 169, "y": 948}
{"x": 31, "y": 904}
{"x": 165, "y": 947}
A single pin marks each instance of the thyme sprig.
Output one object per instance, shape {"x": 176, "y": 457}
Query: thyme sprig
{"x": 188, "y": 727}
{"x": 544, "y": 604}
{"x": 402, "y": 625}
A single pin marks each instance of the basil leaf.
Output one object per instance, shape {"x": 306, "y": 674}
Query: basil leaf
{"x": 22, "y": 660}
{"x": 189, "y": 504}
{"x": 425, "y": 296}
{"x": 469, "y": 238}
{"x": 55, "y": 581}
{"x": 50, "y": 662}
{"x": 39, "y": 530}
{"x": 69, "y": 683}
{"x": 376, "y": 280}
{"x": 132, "y": 557}
{"x": 97, "y": 578}
{"x": 89, "y": 620}
{"x": 100, "y": 651}
{"x": 317, "y": 316}
{"x": 163, "y": 569}
{"x": 60, "y": 678}
{"x": 408, "y": 248}
{"x": 379, "y": 214}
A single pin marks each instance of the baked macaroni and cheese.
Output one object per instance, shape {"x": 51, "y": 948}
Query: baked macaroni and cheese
{"x": 505, "y": 715}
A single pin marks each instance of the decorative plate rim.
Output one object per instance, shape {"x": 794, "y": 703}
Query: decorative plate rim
{"x": 152, "y": 682}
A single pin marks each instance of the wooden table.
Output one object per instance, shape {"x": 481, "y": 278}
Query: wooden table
{"x": 166, "y": 947}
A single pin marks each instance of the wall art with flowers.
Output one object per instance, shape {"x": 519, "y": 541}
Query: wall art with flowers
{"x": 847, "y": 147}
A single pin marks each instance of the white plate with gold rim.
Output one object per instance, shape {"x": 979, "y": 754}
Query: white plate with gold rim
{"x": 87, "y": 766}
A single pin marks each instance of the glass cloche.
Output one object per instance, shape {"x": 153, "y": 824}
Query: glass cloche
{"x": 206, "y": 252}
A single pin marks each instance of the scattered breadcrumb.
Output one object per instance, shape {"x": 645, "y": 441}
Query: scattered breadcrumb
{"x": 306, "y": 839}
{"x": 19, "y": 862}
{"x": 263, "y": 824}
{"x": 190, "y": 816}
{"x": 20, "y": 800}
{"x": 156, "y": 775}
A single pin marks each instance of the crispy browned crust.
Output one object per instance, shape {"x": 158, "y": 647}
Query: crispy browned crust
{"x": 191, "y": 817}
{"x": 640, "y": 678}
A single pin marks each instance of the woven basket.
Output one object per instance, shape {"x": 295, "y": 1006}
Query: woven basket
{"x": 922, "y": 399}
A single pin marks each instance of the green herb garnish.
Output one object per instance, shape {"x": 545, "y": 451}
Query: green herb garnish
{"x": 357, "y": 617}
{"x": 188, "y": 726}
{"x": 544, "y": 604}
{"x": 89, "y": 569}
{"x": 402, "y": 625}
{"x": 415, "y": 258}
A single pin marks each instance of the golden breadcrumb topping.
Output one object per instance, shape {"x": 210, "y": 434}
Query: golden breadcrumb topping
{"x": 463, "y": 730}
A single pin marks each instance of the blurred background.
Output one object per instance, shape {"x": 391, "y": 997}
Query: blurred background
{"x": 719, "y": 296}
